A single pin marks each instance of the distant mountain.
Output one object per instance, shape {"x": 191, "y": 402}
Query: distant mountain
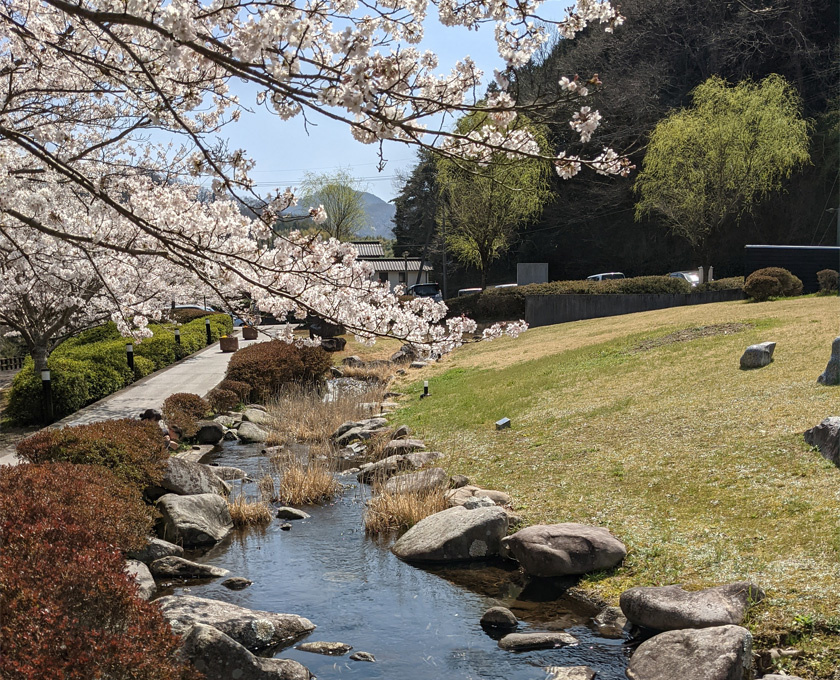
{"x": 379, "y": 215}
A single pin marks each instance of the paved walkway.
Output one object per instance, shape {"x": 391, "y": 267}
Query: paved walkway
{"x": 197, "y": 374}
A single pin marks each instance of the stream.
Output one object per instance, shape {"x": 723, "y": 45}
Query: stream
{"x": 420, "y": 624}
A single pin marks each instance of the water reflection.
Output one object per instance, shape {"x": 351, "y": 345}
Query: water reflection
{"x": 421, "y": 624}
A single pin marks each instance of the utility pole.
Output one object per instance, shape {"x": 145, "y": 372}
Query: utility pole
{"x": 443, "y": 245}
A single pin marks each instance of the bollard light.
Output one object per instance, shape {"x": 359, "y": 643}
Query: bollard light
{"x": 177, "y": 336}
{"x": 129, "y": 355}
{"x": 46, "y": 389}
{"x": 425, "y": 389}
{"x": 207, "y": 328}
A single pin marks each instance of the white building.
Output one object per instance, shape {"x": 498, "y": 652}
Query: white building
{"x": 394, "y": 270}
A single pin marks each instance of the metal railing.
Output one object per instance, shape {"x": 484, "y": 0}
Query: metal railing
{"x": 11, "y": 363}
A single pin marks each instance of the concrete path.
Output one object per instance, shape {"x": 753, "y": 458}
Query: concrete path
{"x": 198, "y": 374}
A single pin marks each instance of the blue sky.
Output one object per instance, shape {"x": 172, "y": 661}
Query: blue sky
{"x": 283, "y": 151}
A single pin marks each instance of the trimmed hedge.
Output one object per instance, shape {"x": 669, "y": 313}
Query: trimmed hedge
{"x": 731, "y": 283}
{"x": 68, "y": 610}
{"x": 828, "y": 279}
{"x": 267, "y": 366}
{"x": 759, "y": 289}
{"x": 134, "y": 450}
{"x": 92, "y": 365}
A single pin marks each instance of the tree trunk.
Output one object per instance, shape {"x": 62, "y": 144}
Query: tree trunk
{"x": 39, "y": 355}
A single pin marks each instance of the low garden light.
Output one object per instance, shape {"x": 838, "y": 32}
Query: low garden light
{"x": 46, "y": 391}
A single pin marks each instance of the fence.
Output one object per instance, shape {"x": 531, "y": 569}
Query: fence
{"x": 544, "y": 310}
{"x": 11, "y": 363}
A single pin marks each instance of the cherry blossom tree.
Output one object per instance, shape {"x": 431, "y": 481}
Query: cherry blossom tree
{"x": 87, "y": 84}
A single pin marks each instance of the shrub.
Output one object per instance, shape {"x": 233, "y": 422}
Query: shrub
{"x": 761, "y": 288}
{"x": 186, "y": 315}
{"x": 240, "y": 389}
{"x": 828, "y": 279}
{"x": 134, "y": 450}
{"x": 68, "y": 611}
{"x": 222, "y": 400}
{"x": 183, "y": 410}
{"x": 731, "y": 283}
{"x": 267, "y": 366}
{"x": 789, "y": 284}
{"x": 69, "y": 391}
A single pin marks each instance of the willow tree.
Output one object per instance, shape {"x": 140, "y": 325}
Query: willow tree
{"x": 710, "y": 164}
{"x": 491, "y": 198}
{"x": 340, "y": 194}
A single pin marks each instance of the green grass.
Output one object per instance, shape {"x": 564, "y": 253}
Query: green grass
{"x": 699, "y": 467}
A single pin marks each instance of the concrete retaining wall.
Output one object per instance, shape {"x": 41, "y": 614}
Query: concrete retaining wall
{"x": 545, "y": 310}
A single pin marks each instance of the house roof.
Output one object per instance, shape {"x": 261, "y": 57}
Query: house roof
{"x": 398, "y": 264}
{"x": 369, "y": 249}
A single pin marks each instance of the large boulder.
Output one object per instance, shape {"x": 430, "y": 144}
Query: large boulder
{"x": 386, "y": 468}
{"x": 672, "y": 608}
{"x": 194, "y": 520}
{"x": 756, "y": 356}
{"x": 142, "y": 576}
{"x": 462, "y": 494}
{"x": 454, "y": 534}
{"x": 423, "y": 482}
{"x": 251, "y": 628}
{"x": 248, "y": 432}
{"x": 564, "y": 549}
{"x": 209, "y": 432}
{"x": 720, "y": 653}
{"x": 826, "y": 437}
{"x": 831, "y": 374}
{"x": 403, "y": 446}
{"x": 256, "y": 416}
{"x": 154, "y": 550}
{"x": 186, "y": 478}
{"x": 220, "y": 657}
{"x": 178, "y": 567}
{"x": 523, "y": 642}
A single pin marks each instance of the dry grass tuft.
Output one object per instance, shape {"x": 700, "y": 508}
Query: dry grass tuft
{"x": 249, "y": 512}
{"x": 304, "y": 482}
{"x": 300, "y": 414}
{"x": 399, "y": 511}
{"x": 268, "y": 492}
{"x": 377, "y": 372}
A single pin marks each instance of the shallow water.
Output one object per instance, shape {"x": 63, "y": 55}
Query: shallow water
{"x": 420, "y": 624}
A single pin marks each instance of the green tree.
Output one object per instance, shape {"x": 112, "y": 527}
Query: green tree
{"x": 488, "y": 203}
{"x": 341, "y": 195}
{"x": 713, "y": 162}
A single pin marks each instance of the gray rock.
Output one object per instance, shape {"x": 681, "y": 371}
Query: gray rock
{"x": 672, "y": 608}
{"x": 386, "y": 468}
{"x": 227, "y": 473}
{"x": 478, "y": 502}
{"x": 336, "y": 372}
{"x": 285, "y": 526}
{"x": 396, "y": 446}
{"x": 460, "y": 495}
{"x": 251, "y": 628}
{"x": 423, "y": 482}
{"x": 522, "y": 642}
{"x": 826, "y": 437}
{"x": 291, "y": 513}
{"x": 353, "y": 361}
{"x": 363, "y": 656}
{"x": 551, "y": 550}
{"x": 178, "y": 567}
{"x": 194, "y": 520}
{"x": 155, "y": 549}
{"x": 220, "y": 657}
{"x": 418, "y": 364}
{"x": 610, "y": 622}
{"x": 352, "y": 435}
{"x": 330, "y": 648}
{"x": 401, "y": 432}
{"x": 141, "y": 574}
{"x": 373, "y": 424}
{"x": 226, "y": 421}
{"x": 248, "y": 432}
{"x": 452, "y": 535}
{"x": 458, "y": 481}
{"x": 237, "y": 583}
{"x": 231, "y": 436}
{"x": 776, "y": 676}
{"x": 719, "y": 653}
{"x": 209, "y": 432}
{"x": 499, "y": 617}
{"x": 186, "y": 478}
{"x": 756, "y": 356}
{"x": 831, "y": 374}
{"x": 570, "y": 673}
{"x": 345, "y": 427}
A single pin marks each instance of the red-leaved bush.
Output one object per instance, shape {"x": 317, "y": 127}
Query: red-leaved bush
{"x": 133, "y": 449}
{"x": 183, "y": 410}
{"x": 68, "y": 611}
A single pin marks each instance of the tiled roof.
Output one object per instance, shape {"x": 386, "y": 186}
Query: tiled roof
{"x": 368, "y": 249}
{"x": 396, "y": 264}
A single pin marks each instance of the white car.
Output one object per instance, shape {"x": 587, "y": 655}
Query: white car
{"x": 605, "y": 276}
{"x": 692, "y": 277}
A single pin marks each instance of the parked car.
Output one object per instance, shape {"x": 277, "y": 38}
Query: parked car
{"x": 506, "y": 285}
{"x": 469, "y": 291}
{"x": 431, "y": 290}
{"x": 692, "y": 277}
{"x": 605, "y": 276}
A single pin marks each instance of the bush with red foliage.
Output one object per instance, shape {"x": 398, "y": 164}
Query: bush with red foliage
{"x": 267, "y": 366}
{"x": 183, "y": 410}
{"x": 68, "y": 610}
{"x": 240, "y": 389}
{"x": 222, "y": 400}
{"x": 133, "y": 449}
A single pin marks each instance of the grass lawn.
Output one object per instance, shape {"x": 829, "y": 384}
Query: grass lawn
{"x": 651, "y": 430}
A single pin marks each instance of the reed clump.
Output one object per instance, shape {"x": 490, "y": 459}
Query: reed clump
{"x": 304, "y": 481}
{"x": 247, "y": 512}
{"x": 399, "y": 511}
